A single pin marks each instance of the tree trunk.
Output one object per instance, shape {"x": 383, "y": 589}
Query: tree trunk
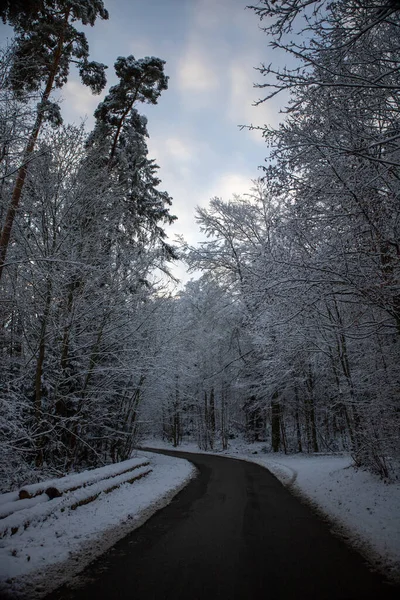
{"x": 206, "y": 432}
{"x": 275, "y": 423}
{"x": 39, "y": 374}
{"x": 212, "y": 419}
{"x": 298, "y": 428}
{"x": 310, "y": 409}
{"x": 224, "y": 419}
{"x": 283, "y": 433}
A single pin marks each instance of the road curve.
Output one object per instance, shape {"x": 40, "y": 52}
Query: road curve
{"x": 233, "y": 533}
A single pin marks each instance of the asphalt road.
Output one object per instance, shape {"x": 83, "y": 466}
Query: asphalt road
{"x": 233, "y": 533}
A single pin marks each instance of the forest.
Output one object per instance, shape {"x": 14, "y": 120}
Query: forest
{"x": 289, "y": 335}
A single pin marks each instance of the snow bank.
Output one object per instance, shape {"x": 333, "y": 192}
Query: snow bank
{"x": 77, "y": 480}
{"x": 8, "y": 497}
{"x": 40, "y": 511}
{"x": 8, "y": 508}
{"x": 37, "y": 560}
{"x": 76, "y": 489}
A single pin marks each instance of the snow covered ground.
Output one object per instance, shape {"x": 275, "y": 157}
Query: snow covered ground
{"x": 37, "y": 560}
{"x": 363, "y": 509}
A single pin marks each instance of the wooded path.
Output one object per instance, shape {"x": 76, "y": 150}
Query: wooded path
{"x": 233, "y": 533}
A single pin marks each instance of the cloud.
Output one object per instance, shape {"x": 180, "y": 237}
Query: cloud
{"x": 209, "y": 14}
{"x": 190, "y": 182}
{"x": 217, "y": 65}
{"x": 243, "y": 96}
{"x": 179, "y": 149}
{"x": 195, "y": 71}
{"x": 177, "y": 157}
{"x": 230, "y": 184}
{"x": 78, "y": 102}
{"x": 225, "y": 186}
{"x": 141, "y": 46}
{"x": 201, "y": 67}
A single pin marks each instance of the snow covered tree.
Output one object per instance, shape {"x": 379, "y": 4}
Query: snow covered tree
{"x": 334, "y": 171}
{"x": 119, "y": 137}
{"x": 46, "y": 43}
{"x": 78, "y": 342}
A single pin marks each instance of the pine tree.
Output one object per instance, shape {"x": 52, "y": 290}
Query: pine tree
{"x": 119, "y": 142}
{"x": 45, "y": 45}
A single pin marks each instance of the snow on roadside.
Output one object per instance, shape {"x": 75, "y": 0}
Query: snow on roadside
{"x": 85, "y": 478}
{"x": 364, "y": 509}
{"x": 36, "y": 561}
{"x": 43, "y": 508}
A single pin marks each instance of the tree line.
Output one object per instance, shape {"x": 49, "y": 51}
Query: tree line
{"x": 82, "y": 221}
{"x": 290, "y": 336}
{"x": 310, "y": 260}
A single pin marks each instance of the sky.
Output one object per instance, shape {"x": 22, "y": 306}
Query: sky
{"x": 211, "y": 49}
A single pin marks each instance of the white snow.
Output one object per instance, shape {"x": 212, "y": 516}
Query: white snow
{"x": 41, "y": 511}
{"x": 85, "y": 478}
{"x": 362, "y": 508}
{"x": 8, "y": 497}
{"x": 8, "y": 508}
{"x": 37, "y": 560}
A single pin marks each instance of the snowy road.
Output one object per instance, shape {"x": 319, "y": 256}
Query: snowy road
{"x": 233, "y": 532}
